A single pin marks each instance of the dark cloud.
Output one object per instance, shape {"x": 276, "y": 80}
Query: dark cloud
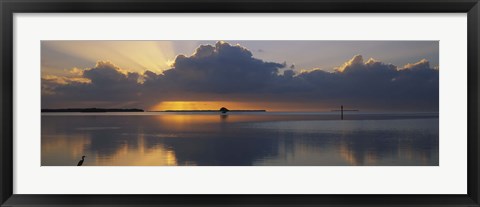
{"x": 219, "y": 68}
{"x": 230, "y": 72}
{"x": 377, "y": 84}
{"x": 106, "y": 84}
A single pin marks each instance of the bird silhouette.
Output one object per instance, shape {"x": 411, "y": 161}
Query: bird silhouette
{"x": 80, "y": 163}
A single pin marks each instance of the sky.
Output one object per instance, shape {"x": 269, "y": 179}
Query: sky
{"x": 270, "y": 75}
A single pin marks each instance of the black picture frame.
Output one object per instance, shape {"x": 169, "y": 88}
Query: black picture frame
{"x": 10, "y": 7}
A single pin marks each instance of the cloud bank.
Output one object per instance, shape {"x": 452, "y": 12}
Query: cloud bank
{"x": 230, "y": 72}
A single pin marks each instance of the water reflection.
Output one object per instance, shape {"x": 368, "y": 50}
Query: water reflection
{"x": 238, "y": 140}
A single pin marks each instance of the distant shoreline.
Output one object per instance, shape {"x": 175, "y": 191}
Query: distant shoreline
{"x": 92, "y": 110}
{"x": 97, "y": 110}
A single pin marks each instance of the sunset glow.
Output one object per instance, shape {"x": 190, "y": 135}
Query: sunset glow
{"x": 202, "y": 105}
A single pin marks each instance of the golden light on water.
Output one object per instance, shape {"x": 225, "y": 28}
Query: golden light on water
{"x": 190, "y": 139}
{"x": 140, "y": 156}
{"x": 58, "y": 146}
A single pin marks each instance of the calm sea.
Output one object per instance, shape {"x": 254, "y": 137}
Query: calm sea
{"x": 240, "y": 139}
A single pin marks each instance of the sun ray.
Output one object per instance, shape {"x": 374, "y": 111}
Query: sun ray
{"x": 136, "y": 56}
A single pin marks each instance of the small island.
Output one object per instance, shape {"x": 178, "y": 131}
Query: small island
{"x": 92, "y": 110}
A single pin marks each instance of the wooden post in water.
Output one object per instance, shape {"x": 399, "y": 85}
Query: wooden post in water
{"x": 341, "y": 111}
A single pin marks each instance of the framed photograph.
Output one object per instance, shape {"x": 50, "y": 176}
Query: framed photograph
{"x": 239, "y": 103}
